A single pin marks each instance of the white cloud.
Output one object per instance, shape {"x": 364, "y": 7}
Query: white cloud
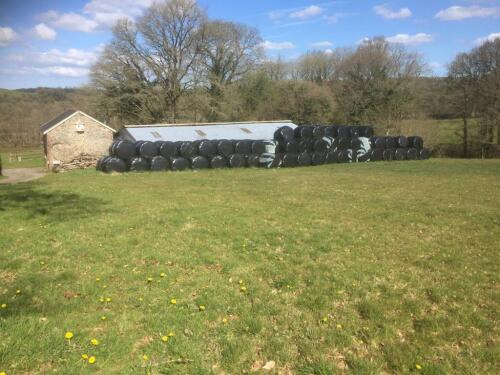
{"x": 458, "y": 13}
{"x": 328, "y": 51}
{"x": 489, "y": 38}
{"x": 277, "y": 45}
{"x": 7, "y": 36}
{"x": 44, "y": 32}
{"x": 410, "y": 40}
{"x": 63, "y": 71}
{"x": 389, "y": 14}
{"x": 96, "y": 14}
{"x": 308, "y": 12}
{"x": 323, "y": 44}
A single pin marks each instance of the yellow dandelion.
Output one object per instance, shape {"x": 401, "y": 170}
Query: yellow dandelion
{"x": 162, "y": 274}
{"x": 243, "y": 288}
{"x": 85, "y": 357}
{"x": 97, "y": 279}
{"x": 224, "y": 320}
{"x": 101, "y": 299}
{"x": 2, "y": 373}
{"x": 18, "y": 291}
{"x": 418, "y": 367}
{"x": 164, "y": 338}
{"x": 68, "y": 335}
{"x": 108, "y": 299}
{"x": 103, "y": 317}
{"x": 171, "y": 334}
{"x": 339, "y": 326}
{"x": 3, "y": 305}
{"x": 240, "y": 282}
{"x": 42, "y": 262}
{"x": 150, "y": 279}
{"x": 140, "y": 299}
{"x": 94, "y": 342}
{"x": 104, "y": 286}
{"x": 145, "y": 357}
{"x": 202, "y": 308}
{"x": 91, "y": 359}
{"x": 325, "y": 319}
{"x": 173, "y": 301}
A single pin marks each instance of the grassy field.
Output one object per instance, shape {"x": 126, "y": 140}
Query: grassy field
{"x": 382, "y": 268}
{"x": 34, "y": 158}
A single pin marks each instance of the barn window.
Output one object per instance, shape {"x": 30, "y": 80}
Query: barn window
{"x": 246, "y": 130}
{"x": 80, "y": 128}
{"x": 156, "y": 135}
{"x": 201, "y": 132}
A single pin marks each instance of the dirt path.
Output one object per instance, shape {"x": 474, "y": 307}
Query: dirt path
{"x": 16, "y": 175}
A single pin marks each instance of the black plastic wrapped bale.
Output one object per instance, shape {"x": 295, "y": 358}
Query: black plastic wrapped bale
{"x": 356, "y": 143}
{"x": 178, "y": 163}
{"x": 366, "y": 131}
{"x": 390, "y": 143}
{"x": 320, "y": 145}
{"x": 98, "y": 165}
{"x": 124, "y": 150}
{"x": 331, "y": 157}
{"x": 401, "y": 142}
{"x": 377, "y": 154}
{"x": 114, "y": 164}
{"x": 303, "y": 132}
{"x": 290, "y": 160}
{"x": 344, "y": 143}
{"x": 218, "y": 162}
{"x": 159, "y": 163}
{"x": 331, "y": 131}
{"x": 291, "y": 146}
{"x": 146, "y": 149}
{"x": 345, "y": 156}
{"x": 199, "y": 162}
{"x": 305, "y": 145}
{"x": 400, "y": 153}
{"x": 416, "y": 142}
{"x": 318, "y": 131}
{"x": 304, "y": 159}
{"x": 363, "y": 152}
{"x": 343, "y": 131}
{"x": 207, "y": 148}
{"x": 243, "y": 147}
{"x": 412, "y": 154}
{"x": 388, "y": 154}
{"x": 258, "y": 147}
{"x": 330, "y": 142}
{"x": 268, "y": 160}
{"x": 138, "y": 164}
{"x": 424, "y": 154}
{"x": 318, "y": 158}
{"x": 168, "y": 149}
{"x": 253, "y": 160}
{"x": 354, "y": 131}
{"x": 158, "y": 146}
{"x": 377, "y": 142}
{"x": 270, "y": 146}
{"x": 187, "y": 150}
{"x": 284, "y": 133}
{"x": 236, "y": 161}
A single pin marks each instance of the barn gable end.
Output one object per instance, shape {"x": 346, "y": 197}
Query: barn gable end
{"x": 75, "y": 140}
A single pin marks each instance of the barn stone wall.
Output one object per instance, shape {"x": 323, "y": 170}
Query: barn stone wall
{"x": 67, "y": 148}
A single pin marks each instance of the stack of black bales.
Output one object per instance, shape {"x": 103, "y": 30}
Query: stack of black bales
{"x": 177, "y": 156}
{"x": 398, "y": 148}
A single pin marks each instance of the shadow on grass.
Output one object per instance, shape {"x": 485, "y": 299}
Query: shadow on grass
{"x": 54, "y": 205}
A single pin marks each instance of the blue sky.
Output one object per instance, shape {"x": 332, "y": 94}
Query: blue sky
{"x": 53, "y": 43}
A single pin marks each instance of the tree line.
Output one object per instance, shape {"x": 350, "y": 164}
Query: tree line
{"x": 174, "y": 64}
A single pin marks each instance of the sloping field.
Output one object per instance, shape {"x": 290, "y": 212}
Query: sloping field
{"x": 365, "y": 269}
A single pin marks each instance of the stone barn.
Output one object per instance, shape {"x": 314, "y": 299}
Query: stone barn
{"x": 75, "y": 140}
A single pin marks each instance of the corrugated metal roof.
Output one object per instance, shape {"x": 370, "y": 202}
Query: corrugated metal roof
{"x": 193, "y": 132}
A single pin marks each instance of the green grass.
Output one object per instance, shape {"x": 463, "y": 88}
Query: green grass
{"x": 35, "y": 158}
{"x": 366, "y": 269}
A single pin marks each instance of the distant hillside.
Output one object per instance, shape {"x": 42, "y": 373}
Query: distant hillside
{"x": 23, "y": 111}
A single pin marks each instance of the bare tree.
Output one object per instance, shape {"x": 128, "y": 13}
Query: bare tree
{"x": 160, "y": 52}
{"x": 230, "y": 50}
